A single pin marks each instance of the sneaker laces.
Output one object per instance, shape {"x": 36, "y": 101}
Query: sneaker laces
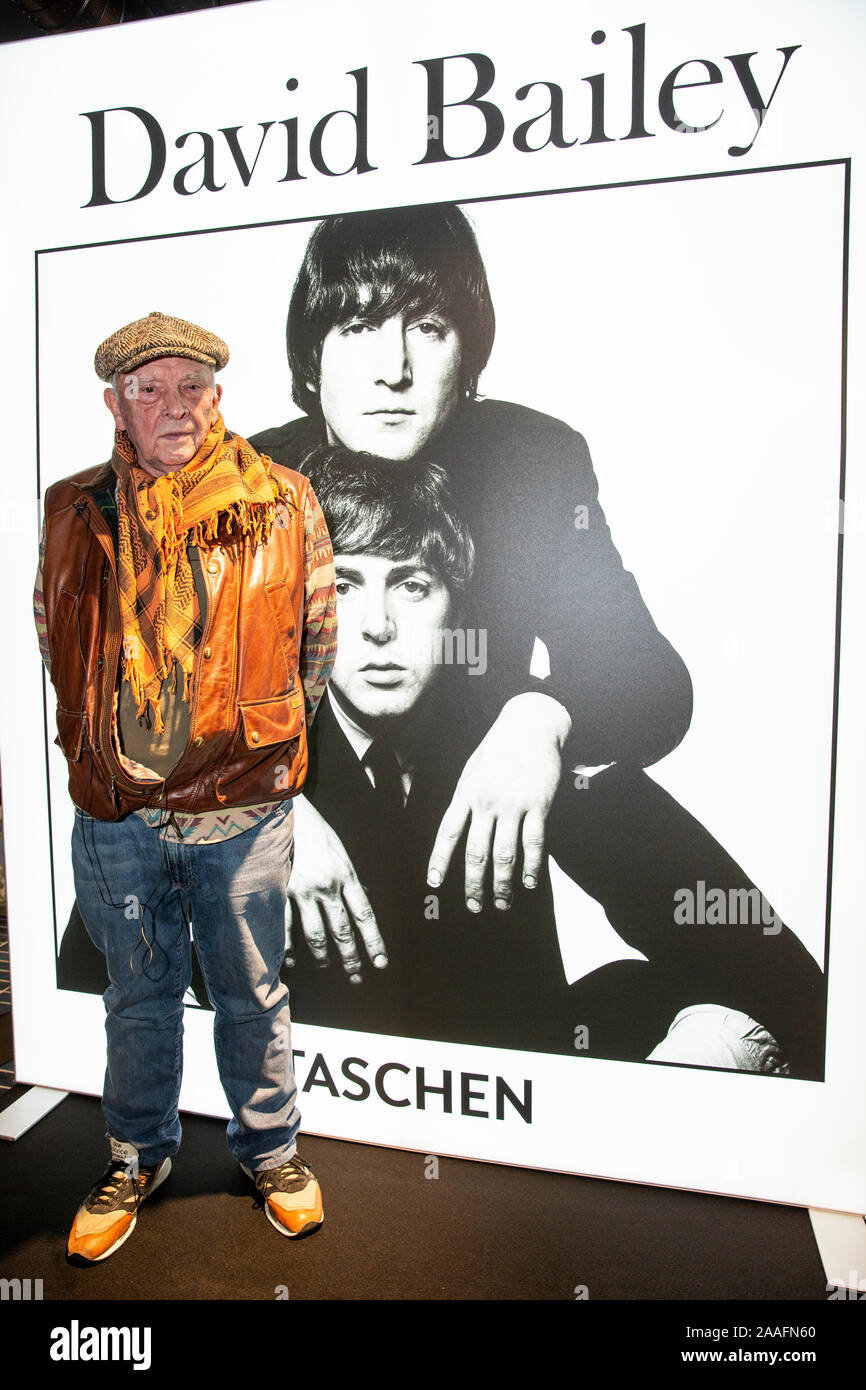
{"x": 110, "y": 1185}
{"x": 122, "y": 1169}
{"x": 291, "y": 1176}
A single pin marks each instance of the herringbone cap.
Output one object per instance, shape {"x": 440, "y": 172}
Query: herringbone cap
{"x": 159, "y": 335}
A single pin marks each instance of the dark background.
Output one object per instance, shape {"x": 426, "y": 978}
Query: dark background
{"x": 29, "y": 19}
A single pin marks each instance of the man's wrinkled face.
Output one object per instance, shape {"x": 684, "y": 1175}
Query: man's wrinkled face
{"x": 391, "y": 615}
{"x": 167, "y": 408}
{"x": 388, "y": 386}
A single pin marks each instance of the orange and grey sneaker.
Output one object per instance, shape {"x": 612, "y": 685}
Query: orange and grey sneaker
{"x": 292, "y": 1197}
{"x": 109, "y": 1211}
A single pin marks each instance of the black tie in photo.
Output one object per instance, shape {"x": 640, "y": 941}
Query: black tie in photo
{"x": 382, "y": 762}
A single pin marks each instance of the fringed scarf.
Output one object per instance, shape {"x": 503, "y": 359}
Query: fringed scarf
{"x": 226, "y": 485}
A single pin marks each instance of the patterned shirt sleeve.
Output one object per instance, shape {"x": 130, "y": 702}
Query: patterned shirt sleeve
{"x": 319, "y": 645}
{"x": 39, "y": 606}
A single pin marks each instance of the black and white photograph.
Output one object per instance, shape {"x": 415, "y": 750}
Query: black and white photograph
{"x": 487, "y": 850}
{"x": 499, "y": 692}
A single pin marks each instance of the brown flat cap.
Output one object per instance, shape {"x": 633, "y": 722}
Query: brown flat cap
{"x": 159, "y": 335}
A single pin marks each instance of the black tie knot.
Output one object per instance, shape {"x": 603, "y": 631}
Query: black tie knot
{"x": 382, "y": 761}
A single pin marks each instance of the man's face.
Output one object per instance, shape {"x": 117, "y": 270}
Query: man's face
{"x": 387, "y": 387}
{"x": 167, "y": 408}
{"x": 390, "y": 615}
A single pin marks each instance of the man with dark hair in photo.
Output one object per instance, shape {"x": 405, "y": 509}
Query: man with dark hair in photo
{"x": 395, "y": 731}
{"x": 388, "y": 744}
{"x": 389, "y": 328}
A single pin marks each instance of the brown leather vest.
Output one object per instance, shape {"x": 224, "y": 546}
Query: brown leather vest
{"x": 247, "y": 741}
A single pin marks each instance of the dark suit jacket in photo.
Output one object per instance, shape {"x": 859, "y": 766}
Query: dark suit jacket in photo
{"x": 546, "y": 567}
{"x": 494, "y": 978}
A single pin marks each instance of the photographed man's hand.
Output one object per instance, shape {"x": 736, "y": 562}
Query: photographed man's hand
{"x": 504, "y": 794}
{"x": 327, "y": 899}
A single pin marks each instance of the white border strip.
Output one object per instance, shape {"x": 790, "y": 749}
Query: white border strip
{"x": 841, "y": 1241}
{"x": 28, "y": 1110}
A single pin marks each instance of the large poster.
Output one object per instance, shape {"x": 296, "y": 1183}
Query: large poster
{"x": 628, "y": 530}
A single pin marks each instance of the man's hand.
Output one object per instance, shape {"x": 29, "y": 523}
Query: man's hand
{"x": 505, "y": 792}
{"x": 325, "y": 895}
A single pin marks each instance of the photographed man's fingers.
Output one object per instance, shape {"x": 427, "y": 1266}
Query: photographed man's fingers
{"x": 506, "y": 843}
{"x": 288, "y": 949}
{"x": 533, "y": 847}
{"x": 363, "y": 919}
{"x": 450, "y": 829}
{"x": 340, "y": 932}
{"x": 477, "y": 860}
{"x": 312, "y": 925}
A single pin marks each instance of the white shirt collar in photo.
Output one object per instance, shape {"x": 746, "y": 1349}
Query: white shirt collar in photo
{"x": 360, "y": 741}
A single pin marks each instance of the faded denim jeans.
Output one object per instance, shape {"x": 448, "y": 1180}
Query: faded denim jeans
{"x": 137, "y": 894}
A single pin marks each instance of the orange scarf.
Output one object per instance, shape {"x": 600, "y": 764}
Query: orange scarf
{"x": 226, "y": 484}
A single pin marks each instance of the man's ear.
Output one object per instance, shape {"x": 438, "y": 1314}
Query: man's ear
{"x": 114, "y": 406}
{"x": 314, "y": 384}
{"x": 217, "y": 397}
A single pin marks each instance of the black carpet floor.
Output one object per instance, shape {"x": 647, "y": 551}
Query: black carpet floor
{"x": 476, "y": 1232}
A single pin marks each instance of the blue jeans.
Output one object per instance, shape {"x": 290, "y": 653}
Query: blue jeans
{"x": 137, "y": 894}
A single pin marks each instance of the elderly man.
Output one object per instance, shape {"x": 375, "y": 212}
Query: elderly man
{"x": 186, "y": 610}
{"x": 390, "y": 326}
